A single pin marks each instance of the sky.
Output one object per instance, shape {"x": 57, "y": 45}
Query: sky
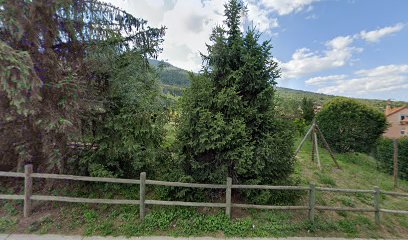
{"x": 354, "y": 48}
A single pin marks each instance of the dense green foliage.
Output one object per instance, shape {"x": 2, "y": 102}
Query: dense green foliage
{"x": 228, "y": 125}
{"x": 385, "y": 156}
{"x": 59, "y": 37}
{"x": 350, "y": 126}
{"x": 307, "y": 110}
{"x": 129, "y": 131}
{"x": 19, "y": 102}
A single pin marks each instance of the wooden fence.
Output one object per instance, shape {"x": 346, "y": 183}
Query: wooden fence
{"x": 28, "y": 197}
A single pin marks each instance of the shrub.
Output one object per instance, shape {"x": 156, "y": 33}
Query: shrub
{"x": 384, "y": 154}
{"x": 350, "y": 126}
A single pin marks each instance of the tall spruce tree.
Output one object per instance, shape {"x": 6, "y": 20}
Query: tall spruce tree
{"x": 228, "y": 125}
{"x": 55, "y": 40}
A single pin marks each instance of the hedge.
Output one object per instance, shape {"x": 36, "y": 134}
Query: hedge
{"x": 384, "y": 154}
{"x": 350, "y": 126}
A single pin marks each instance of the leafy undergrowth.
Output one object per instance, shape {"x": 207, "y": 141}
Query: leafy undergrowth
{"x": 358, "y": 172}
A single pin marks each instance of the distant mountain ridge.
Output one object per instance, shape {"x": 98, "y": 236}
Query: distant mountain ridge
{"x": 175, "y": 79}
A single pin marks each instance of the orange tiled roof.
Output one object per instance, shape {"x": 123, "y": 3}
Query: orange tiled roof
{"x": 395, "y": 110}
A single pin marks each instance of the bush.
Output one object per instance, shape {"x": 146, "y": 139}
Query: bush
{"x": 350, "y": 126}
{"x": 385, "y": 152}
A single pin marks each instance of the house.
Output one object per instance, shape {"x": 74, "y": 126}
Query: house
{"x": 398, "y": 120}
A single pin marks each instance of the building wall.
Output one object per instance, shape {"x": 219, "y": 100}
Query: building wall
{"x": 394, "y": 131}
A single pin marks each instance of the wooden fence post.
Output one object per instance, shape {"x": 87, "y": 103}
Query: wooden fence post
{"x": 317, "y": 149}
{"x": 395, "y": 163}
{"x": 228, "y": 197}
{"x": 142, "y": 193}
{"x": 28, "y": 189}
{"x": 377, "y": 204}
{"x": 312, "y": 202}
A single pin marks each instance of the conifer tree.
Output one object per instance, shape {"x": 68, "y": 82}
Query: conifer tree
{"x": 307, "y": 107}
{"x": 58, "y": 37}
{"x": 228, "y": 125}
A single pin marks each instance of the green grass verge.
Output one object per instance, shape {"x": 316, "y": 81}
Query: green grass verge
{"x": 359, "y": 171}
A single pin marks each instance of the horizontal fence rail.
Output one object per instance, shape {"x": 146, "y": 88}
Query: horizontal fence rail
{"x": 322, "y": 189}
{"x": 82, "y": 178}
{"x": 84, "y": 200}
{"x": 181, "y": 184}
{"x": 28, "y": 197}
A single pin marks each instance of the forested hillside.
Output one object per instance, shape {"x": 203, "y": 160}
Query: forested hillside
{"x": 174, "y": 79}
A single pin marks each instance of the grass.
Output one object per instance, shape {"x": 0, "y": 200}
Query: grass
{"x": 358, "y": 172}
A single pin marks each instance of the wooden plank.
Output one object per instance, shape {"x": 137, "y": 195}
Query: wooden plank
{"x": 83, "y": 200}
{"x": 313, "y": 146}
{"x": 393, "y": 211}
{"x": 345, "y": 209}
{"x": 377, "y": 197}
{"x": 11, "y": 174}
{"x": 185, "y": 204}
{"x": 228, "y": 197}
{"x": 270, "y": 207}
{"x": 395, "y": 141}
{"x": 395, "y": 194}
{"x": 317, "y": 150}
{"x": 83, "y": 178}
{"x": 11, "y": 197}
{"x": 142, "y": 195}
{"x": 28, "y": 189}
{"x": 322, "y": 189}
{"x": 267, "y": 187}
{"x": 304, "y": 140}
{"x": 326, "y": 144}
{"x": 181, "y": 184}
{"x": 312, "y": 202}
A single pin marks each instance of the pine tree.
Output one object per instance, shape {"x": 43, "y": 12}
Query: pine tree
{"x": 307, "y": 107}
{"x": 58, "y": 37}
{"x": 228, "y": 124}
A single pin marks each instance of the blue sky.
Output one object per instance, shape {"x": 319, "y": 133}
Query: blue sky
{"x": 356, "y": 48}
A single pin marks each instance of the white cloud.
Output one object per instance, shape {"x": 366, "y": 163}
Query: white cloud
{"x": 339, "y": 52}
{"x": 285, "y": 7}
{"x": 324, "y": 80}
{"x": 379, "y": 79}
{"x": 260, "y": 17}
{"x": 189, "y": 25}
{"x": 376, "y": 35}
{"x": 387, "y": 70}
{"x": 261, "y": 12}
{"x": 305, "y": 62}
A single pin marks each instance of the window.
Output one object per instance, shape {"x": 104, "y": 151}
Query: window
{"x": 402, "y": 131}
{"x": 403, "y": 117}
